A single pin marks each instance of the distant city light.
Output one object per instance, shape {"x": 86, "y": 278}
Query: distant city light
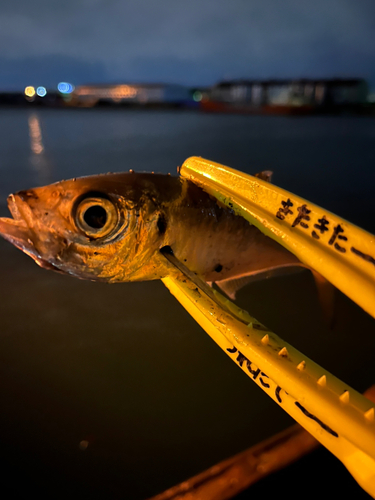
{"x": 197, "y": 96}
{"x": 29, "y": 91}
{"x": 65, "y": 88}
{"x": 41, "y": 91}
{"x": 114, "y": 92}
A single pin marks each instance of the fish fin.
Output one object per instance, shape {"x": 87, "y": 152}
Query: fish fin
{"x": 266, "y": 175}
{"x": 326, "y": 296}
{"x": 231, "y": 286}
{"x": 201, "y": 285}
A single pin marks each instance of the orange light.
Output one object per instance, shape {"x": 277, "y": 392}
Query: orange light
{"x": 29, "y": 91}
{"x": 35, "y": 135}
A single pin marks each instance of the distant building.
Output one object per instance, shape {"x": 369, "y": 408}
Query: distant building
{"x": 308, "y": 93}
{"x": 132, "y": 94}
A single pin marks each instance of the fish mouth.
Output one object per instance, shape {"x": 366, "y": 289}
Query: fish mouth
{"x": 19, "y": 233}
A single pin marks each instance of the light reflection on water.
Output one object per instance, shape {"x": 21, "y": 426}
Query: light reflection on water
{"x": 35, "y": 132}
{"x": 327, "y": 160}
{"x": 124, "y": 363}
{"x": 37, "y": 158}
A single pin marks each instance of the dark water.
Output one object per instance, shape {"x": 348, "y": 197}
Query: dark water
{"x": 124, "y": 366}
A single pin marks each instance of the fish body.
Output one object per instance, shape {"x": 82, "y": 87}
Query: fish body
{"x": 111, "y": 227}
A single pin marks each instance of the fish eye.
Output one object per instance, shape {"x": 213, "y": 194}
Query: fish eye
{"x": 96, "y": 216}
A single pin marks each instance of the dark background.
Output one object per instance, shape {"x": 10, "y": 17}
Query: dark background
{"x": 193, "y": 43}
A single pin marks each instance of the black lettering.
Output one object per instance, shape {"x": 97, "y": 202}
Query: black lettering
{"x": 364, "y": 256}
{"x": 336, "y": 234}
{"x": 262, "y": 382}
{"x": 303, "y": 214}
{"x": 340, "y": 249}
{"x": 316, "y": 419}
{"x": 277, "y": 394}
{"x": 233, "y": 350}
{"x": 241, "y": 358}
{"x": 253, "y": 372}
{"x": 322, "y": 226}
{"x": 282, "y": 212}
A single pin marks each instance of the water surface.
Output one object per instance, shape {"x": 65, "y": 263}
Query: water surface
{"x": 124, "y": 367}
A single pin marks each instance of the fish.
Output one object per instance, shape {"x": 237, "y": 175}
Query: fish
{"x": 114, "y": 228}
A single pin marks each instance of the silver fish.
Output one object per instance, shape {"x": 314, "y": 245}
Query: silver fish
{"x": 112, "y": 228}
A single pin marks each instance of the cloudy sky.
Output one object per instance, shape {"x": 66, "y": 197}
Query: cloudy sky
{"x": 196, "y": 42}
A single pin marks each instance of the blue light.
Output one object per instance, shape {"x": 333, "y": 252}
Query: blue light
{"x": 65, "y": 88}
{"x": 41, "y": 91}
{"x": 197, "y": 96}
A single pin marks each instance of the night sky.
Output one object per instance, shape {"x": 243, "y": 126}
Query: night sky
{"x": 195, "y": 42}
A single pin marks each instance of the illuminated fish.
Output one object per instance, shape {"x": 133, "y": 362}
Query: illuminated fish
{"x": 111, "y": 228}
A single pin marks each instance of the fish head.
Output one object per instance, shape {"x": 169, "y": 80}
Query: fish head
{"x": 102, "y": 228}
